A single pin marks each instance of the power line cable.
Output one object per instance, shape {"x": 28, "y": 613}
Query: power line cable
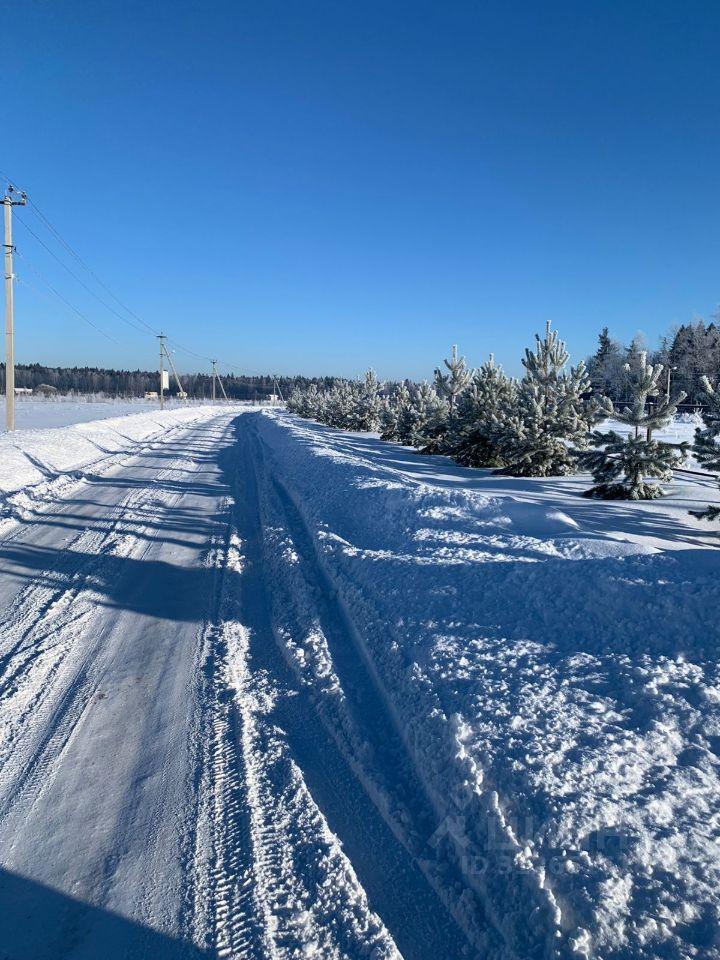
{"x": 76, "y": 278}
{"x": 56, "y": 233}
{"x": 87, "y": 267}
{"x": 229, "y": 364}
{"x": 60, "y": 297}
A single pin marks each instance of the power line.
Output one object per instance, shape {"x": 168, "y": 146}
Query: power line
{"x": 60, "y": 297}
{"x": 56, "y": 233}
{"x": 77, "y": 279}
{"x": 87, "y": 267}
{"x": 83, "y": 263}
{"x": 60, "y": 238}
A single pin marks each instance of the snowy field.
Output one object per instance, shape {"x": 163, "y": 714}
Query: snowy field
{"x": 37, "y": 413}
{"x": 272, "y": 690}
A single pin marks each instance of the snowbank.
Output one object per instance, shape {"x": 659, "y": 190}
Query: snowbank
{"x": 557, "y": 686}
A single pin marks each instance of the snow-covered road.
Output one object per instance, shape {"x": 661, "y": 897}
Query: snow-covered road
{"x": 270, "y": 690}
{"x": 168, "y": 785}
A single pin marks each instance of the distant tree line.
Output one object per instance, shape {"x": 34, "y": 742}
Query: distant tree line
{"x": 689, "y": 354}
{"x": 135, "y": 383}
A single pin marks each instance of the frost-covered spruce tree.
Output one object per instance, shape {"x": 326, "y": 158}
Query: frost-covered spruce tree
{"x": 482, "y": 414}
{"x": 415, "y": 417}
{"x": 339, "y": 404}
{"x": 432, "y": 434}
{"x": 366, "y": 415}
{"x": 294, "y": 403}
{"x": 390, "y": 409}
{"x": 622, "y": 466}
{"x": 707, "y": 440}
{"x": 553, "y": 414}
{"x": 307, "y": 403}
{"x": 450, "y": 384}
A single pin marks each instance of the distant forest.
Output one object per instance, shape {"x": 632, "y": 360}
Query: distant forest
{"x": 688, "y": 353}
{"x": 135, "y": 383}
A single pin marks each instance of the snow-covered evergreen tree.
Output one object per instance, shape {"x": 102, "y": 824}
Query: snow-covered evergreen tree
{"x": 450, "y": 385}
{"x": 305, "y": 402}
{"x": 707, "y": 440}
{"x": 481, "y": 420}
{"x": 339, "y": 404}
{"x": 554, "y": 413}
{"x": 416, "y": 416}
{"x": 622, "y": 466}
{"x": 390, "y": 409}
{"x": 294, "y": 402}
{"x": 366, "y": 415}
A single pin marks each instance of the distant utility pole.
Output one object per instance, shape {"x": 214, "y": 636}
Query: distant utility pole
{"x": 11, "y": 199}
{"x": 164, "y": 354}
{"x": 215, "y": 375}
{"x": 161, "y": 338}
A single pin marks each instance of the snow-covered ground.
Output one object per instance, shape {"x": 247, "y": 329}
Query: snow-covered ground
{"x": 41, "y": 413}
{"x": 38, "y": 413}
{"x": 36, "y": 464}
{"x": 552, "y": 665}
{"x": 273, "y": 690}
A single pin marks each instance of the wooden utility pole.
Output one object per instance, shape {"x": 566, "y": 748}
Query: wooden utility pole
{"x": 161, "y": 338}
{"x": 216, "y": 376}
{"x": 164, "y": 354}
{"x": 10, "y": 200}
{"x": 181, "y": 393}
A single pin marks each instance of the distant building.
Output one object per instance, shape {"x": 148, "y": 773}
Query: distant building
{"x": 151, "y": 394}
{"x": 23, "y": 391}
{"x": 45, "y": 390}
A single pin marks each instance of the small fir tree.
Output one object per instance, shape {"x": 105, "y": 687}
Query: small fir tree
{"x": 415, "y": 416}
{"x": 340, "y": 402}
{"x": 390, "y": 409}
{"x": 432, "y": 435}
{"x": 707, "y": 441}
{"x": 553, "y": 416}
{"x": 294, "y": 403}
{"x": 307, "y": 403}
{"x": 450, "y": 385}
{"x": 623, "y": 465}
{"x": 482, "y": 414}
{"x": 367, "y": 411}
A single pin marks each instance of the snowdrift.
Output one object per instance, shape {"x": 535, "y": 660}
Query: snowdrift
{"x": 558, "y": 689}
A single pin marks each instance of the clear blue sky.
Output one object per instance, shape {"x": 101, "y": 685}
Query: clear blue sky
{"x": 321, "y": 186}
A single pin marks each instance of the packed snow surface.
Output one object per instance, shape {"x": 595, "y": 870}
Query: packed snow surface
{"x": 273, "y": 690}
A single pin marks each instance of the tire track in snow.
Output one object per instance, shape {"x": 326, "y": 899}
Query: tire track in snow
{"x": 320, "y": 645}
{"x": 225, "y": 906}
{"x": 304, "y": 888}
{"x": 20, "y": 505}
{"x": 48, "y": 687}
{"x": 271, "y": 880}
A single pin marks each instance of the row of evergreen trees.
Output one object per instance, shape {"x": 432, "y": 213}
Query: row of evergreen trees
{"x": 544, "y": 424}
